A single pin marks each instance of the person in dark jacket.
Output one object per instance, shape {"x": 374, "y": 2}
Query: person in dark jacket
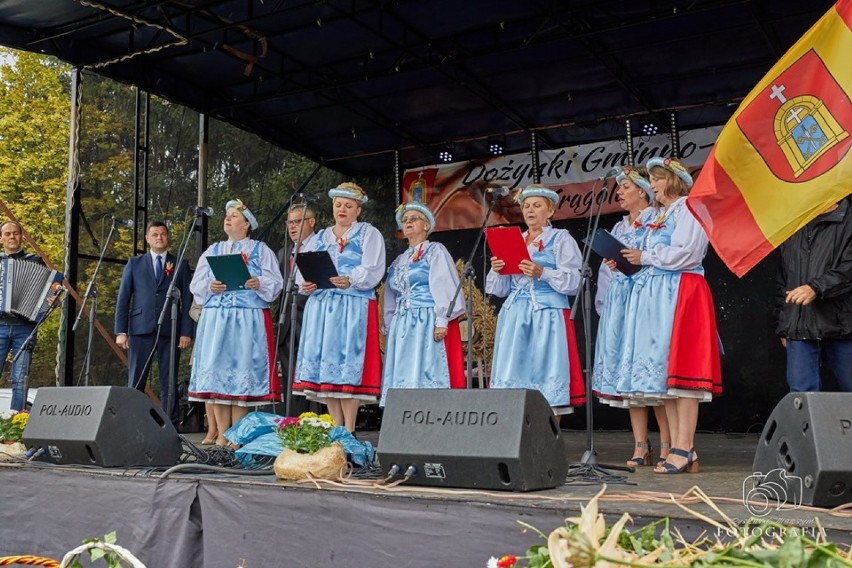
{"x": 815, "y": 300}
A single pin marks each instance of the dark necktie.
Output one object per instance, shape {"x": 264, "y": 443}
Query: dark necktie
{"x": 158, "y": 269}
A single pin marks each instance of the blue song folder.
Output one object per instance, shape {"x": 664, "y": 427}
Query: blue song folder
{"x": 606, "y": 245}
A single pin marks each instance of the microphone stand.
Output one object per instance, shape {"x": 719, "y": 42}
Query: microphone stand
{"x": 468, "y": 274}
{"x": 291, "y": 297}
{"x": 588, "y": 467}
{"x": 91, "y": 293}
{"x": 29, "y": 342}
{"x": 172, "y": 303}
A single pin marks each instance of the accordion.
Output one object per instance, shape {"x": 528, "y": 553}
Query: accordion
{"x": 27, "y": 288}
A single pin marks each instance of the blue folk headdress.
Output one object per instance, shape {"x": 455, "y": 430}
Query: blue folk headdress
{"x": 674, "y": 167}
{"x": 242, "y": 208}
{"x": 420, "y": 208}
{"x": 348, "y": 190}
{"x": 641, "y": 181}
{"x": 537, "y": 191}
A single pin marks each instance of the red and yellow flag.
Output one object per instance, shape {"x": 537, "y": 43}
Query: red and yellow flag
{"x": 784, "y": 156}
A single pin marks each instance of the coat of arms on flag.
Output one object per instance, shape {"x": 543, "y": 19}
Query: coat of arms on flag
{"x": 797, "y": 119}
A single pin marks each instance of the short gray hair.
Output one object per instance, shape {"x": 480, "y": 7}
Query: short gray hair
{"x": 307, "y": 208}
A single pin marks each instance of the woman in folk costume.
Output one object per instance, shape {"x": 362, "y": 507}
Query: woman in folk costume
{"x": 535, "y": 345}
{"x": 424, "y": 347}
{"x": 232, "y": 365}
{"x": 339, "y": 361}
{"x": 636, "y": 197}
{"x": 672, "y": 346}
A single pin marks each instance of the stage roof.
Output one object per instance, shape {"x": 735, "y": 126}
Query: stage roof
{"x": 349, "y": 82}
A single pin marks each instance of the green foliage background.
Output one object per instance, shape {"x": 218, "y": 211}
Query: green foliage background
{"x": 34, "y": 134}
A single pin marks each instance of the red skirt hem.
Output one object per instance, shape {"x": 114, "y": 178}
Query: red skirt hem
{"x": 217, "y": 396}
{"x": 345, "y": 389}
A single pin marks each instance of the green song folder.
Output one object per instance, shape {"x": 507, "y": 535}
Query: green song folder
{"x": 230, "y": 269}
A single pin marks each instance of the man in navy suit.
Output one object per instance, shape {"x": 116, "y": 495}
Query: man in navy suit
{"x": 141, "y": 296}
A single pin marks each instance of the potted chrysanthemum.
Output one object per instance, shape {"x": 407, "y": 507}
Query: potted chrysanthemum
{"x": 12, "y": 424}
{"x": 308, "y": 450}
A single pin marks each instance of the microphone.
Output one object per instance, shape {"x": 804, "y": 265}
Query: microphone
{"x": 307, "y": 198}
{"x": 204, "y": 211}
{"x": 611, "y": 173}
{"x": 499, "y": 191}
{"x": 122, "y": 222}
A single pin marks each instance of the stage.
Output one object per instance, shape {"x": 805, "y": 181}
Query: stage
{"x": 228, "y": 520}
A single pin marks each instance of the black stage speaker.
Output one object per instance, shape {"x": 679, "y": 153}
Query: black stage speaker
{"x": 505, "y": 439}
{"x": 804, "y": 455}
{"x": 105, "y": 426}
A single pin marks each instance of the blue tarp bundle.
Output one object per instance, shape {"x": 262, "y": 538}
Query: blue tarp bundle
{"x": 258, "y": 441}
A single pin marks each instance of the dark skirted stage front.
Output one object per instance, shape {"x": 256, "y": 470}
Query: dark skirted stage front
{"x": 226, "y": 521}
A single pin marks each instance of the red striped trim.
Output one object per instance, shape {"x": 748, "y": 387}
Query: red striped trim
{"x": 718, "y": 204}
{"x": 217, "y": 396}
{"x": 347, "y": 389}
{"x": 606, "y": 396}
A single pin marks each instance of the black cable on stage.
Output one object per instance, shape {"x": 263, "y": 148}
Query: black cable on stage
{"x": 214, "y": 469}
{"x": 371, "y": 471}
{"x": 589, "y": 474}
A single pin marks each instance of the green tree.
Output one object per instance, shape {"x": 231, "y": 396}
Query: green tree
{"x": 34, "y": 96}
{"x": 34, "y": 107}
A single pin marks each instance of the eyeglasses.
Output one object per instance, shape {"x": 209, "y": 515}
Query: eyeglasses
{"x": 294, "y": 222}
{"x": 412, "y": 218}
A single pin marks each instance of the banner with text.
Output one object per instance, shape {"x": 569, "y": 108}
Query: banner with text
{"x": 456, "y": 192}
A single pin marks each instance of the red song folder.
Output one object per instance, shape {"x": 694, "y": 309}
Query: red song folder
{"x": 507, "y": 244}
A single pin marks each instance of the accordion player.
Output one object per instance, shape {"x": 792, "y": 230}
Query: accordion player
{"x": 27, "y": 288}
